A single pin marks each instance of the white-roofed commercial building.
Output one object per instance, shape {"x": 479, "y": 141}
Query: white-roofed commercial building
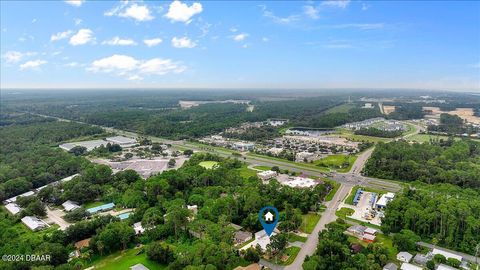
{"x": 384, "y": 200}
{"x": 90, "y": 145}
{"x": 122, "y": 141}
{"x": 34, "y": 223}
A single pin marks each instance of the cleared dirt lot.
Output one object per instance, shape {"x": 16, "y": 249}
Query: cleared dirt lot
{"x": 464, "y": 113}
{"x": 144, "y": 167}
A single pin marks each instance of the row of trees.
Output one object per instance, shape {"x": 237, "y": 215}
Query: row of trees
{"x": 434, "y": 162}
{"x": 375, "y": 132}
{"x": 447, "y": 214}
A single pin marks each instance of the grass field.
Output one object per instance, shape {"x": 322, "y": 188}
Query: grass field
{"x": 343, "y": 108}
{"x": 293, "y": 238}
{"x": 263, "y": 168}
{"x": 332, "y": 192}
{"x": 124, "y": 260}
{"x": 308, "y": 222}
{"x": 349, "y": 199}
{"x": 336, "y": 162}
{"x": 297, "y": 164}
{"x": 208, "y": 164}
{"x": 349, "y": 135}
{"x": 245, "y": 172}
{"x": 344, "y": 212}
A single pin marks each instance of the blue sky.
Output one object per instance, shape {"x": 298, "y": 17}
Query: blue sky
{"x": 298, "y": 44}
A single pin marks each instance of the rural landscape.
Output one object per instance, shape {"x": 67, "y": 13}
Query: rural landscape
{"x": 239, "y": 135}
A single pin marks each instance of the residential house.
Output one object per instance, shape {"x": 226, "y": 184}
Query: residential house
{"x": 408, "y": 266}
{"x": 404, "y": 256}
{"x": 70, "y": 205}
{"x": 390, "y": 266}
{"x": 139, "y": 266}
{"x": 13, "y": 208}
{"x": 267, "y": 175}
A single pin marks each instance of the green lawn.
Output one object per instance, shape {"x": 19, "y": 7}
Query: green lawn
{"x": 263, "y": 168}
{"x": 344, "y": 212}
{"x": 297, "y": 164}
{"x": 245, "y": 172}
{"x": 208, "y": 164}
{"x": 332, "y": 192}
{"x": 336, "y": 162}
{"x": 308, "y": 222}
{"x": 346, "y": 133}
{"x": 387, "y": 243}
{"x": 349, "y": 199}
{"x": 292, "y": 253}
{"x": 293, "y": 238}
{"x": 124, "y": 260}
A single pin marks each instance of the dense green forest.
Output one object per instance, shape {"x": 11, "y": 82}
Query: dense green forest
{"x": 334, "y": 252}
{"x": 375, "y": 132}
{"x": 454, "y": 162}
{"x": 405, "y": 111}
{"x": 29, "y": 156}
{"x": 446, "y": 213}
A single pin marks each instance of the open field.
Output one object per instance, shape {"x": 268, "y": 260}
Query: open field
{"x": 348, "y": 134}
{"x": 124, "y": 260}
{"x": 336, "y": 161}
{"x": 344, "y": 212}
{"x": 208, "y": 164}
{"x": 308, "y": 222}
{"x": 421, "y": 138}
{"x": 298, "y": 164}
{"x": 343, "y": 108}
{"x": 262, "y": 168}
{"x": 245, "y": 172}
{"x": 296, "y": 238}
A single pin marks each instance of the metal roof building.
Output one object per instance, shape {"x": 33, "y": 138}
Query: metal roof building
{"x": 13, "y": 208}
{"x": 34, "y": 223}
{"x": 70, "y": 205}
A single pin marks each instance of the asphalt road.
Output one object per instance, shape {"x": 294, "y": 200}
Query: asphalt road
{"x": 328, "y": 216}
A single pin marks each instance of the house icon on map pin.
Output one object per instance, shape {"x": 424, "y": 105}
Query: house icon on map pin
{"x": 268, "y": 216}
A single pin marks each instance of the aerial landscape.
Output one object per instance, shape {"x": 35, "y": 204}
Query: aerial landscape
{"x": 240, "y": 135}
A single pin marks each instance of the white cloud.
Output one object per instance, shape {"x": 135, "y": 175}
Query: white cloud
{"x": 15, "y": 56}
{"x": 116, "y": 41}
{"x": 311, "y": 12}
{"x": 240, "y": 37}
{"x": 77, "y": 21}
{"x": 183, "y": 42}
{"x": 132, "y": 69}
{"x": 32, "y": 64}
{"x": 12, "y": 56}
{"x": 280, "y": 20}
{"x": 75, "y": 3}
{"x": 137, "y": 12}
{"x": 265, "y": 39}
{"x": 160, "y": 66}
{"x": 61, "y": 35}
{"x": 181, "y": 12}
{"x": 152, "y": 42}
{"x": 83, "y": 36}
{"x": 114, "y": 63}
{"x": 336, "y": 3}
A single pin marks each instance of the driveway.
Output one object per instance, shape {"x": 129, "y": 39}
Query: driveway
{"x": 56, "y": 216}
